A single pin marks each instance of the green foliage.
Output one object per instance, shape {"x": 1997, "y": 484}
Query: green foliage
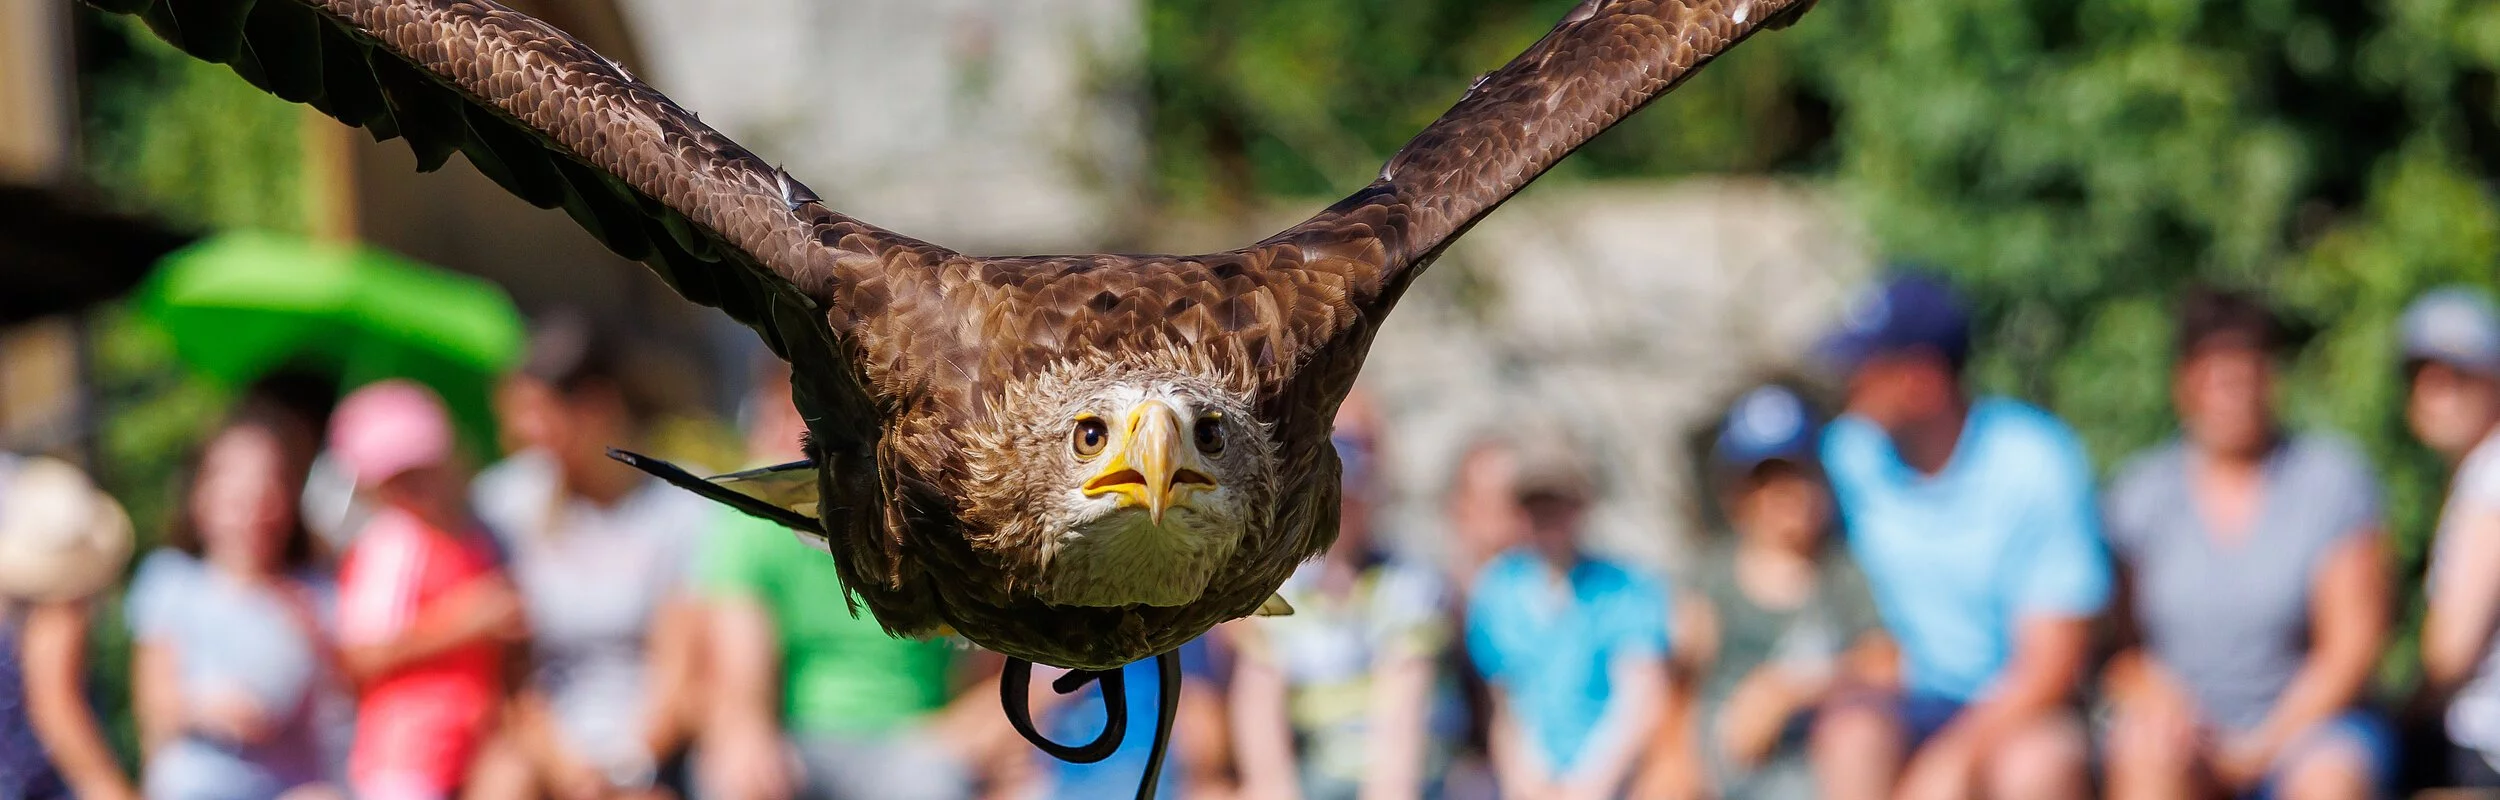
{"x": 193, "y": 144}
{"x": 2072, "y": 164}
{"x": 184, "y": 139}
{"x": 1301, "y": 98}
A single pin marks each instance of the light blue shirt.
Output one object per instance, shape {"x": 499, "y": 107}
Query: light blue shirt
{"x": 229, "y": 636}
{"x": 1958, "y": 559}
{"x": 1552, "y": 652}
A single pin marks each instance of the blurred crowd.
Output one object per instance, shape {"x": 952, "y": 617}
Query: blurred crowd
{"x": 1929, "y": 594}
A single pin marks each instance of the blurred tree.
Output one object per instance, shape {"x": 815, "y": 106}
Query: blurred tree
{"x": 193, "y": 144}
{"x": 2071, "y": 163}
{"x": 1300, "y": 98}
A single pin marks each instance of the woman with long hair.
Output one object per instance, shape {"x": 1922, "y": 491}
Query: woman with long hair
{"x": 236, "y": 693}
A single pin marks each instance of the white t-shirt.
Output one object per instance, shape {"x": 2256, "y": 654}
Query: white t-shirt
{"x": 593, "y": 579}
{"x": 2474, "y": 714}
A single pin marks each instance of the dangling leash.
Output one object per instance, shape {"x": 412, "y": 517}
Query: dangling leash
{"x": 1013, "y": 692}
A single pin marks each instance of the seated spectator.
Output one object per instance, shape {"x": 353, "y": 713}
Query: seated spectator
{"x": 1975, "y": 525}
{"x": 601, "y": 554}
{"x": 1333, "y": 698}
{"x": 807, "y": 699}
{"x": 1481, "y": 512}
{"x": 2255, "y": 597}
{"x": 425, "y": 612}
{"x": 1764, "y": 634}
{"x": 235, "y": 692}
{"x": 1575, "y": 646}
{"x": 2452, "y": 354}
{"x": 61, "y": 541}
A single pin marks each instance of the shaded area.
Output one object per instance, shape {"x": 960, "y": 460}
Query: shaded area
{"x": 62, "y": 249}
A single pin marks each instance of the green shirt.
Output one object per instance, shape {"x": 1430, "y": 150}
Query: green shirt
{"x": 840, "y": 673}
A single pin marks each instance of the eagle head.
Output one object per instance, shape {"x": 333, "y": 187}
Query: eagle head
{"x": 1126, "y": 487}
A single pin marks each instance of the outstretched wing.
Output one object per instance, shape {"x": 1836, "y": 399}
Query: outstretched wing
{"x": 1606, "y": 60}
{"x": 560, "y": 125}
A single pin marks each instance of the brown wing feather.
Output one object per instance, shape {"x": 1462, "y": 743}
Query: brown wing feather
{"x": 560, "y": 125}
{"x": 1607, "y": 59}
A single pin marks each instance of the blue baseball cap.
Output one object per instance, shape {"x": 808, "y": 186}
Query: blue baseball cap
{"x": 2453, "y": 325}
{"x": 1770, "y": 423}
{"x": 1904, "y": 311}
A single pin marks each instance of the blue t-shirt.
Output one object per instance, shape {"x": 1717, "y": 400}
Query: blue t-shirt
{"x": 1957, "y": 559}
{"x": 1553, "y": 653}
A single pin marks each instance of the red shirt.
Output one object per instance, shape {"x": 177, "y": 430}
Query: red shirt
{"x": 417, "y": 727}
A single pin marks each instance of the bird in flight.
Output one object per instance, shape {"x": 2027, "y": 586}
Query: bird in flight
{"x": 1077, "y": 460}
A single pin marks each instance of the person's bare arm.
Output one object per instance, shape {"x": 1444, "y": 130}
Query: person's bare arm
{"x": 1637, "y": 693}
{"x": 2348, "y": 621}
{"x": 54, "y": 651}
{"x": 1204, "y": 743}
{"x": 676, "y": 661}
{"x": 2048, "y": 658}
{"x": 1516, "y": 766}
{"x": 155, "y": 695}
{"x": 2464, "y": 604}
{"x": 1873, "y": 662}
{"x": 1262, "y": 737}
{"x": 971, "y": 720}
{"x": 486, "y": 608}
{"x": 1401, "y": 684}
{"x": 553, "y": 764}
{"x": 1673, "y": 768}
{"x": 746, "y": 760}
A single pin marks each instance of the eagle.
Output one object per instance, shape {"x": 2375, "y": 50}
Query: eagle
{"x": 1076, "y": 460}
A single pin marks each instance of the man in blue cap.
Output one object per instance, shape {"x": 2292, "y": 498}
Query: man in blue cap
{"x": 1974, "y": 523}
{"x": 2452, "y": 359}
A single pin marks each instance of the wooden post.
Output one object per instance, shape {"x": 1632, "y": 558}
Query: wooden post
{"x": 43, "y": 398}
{"x": 34, "y": 89}
{"x": 329, "y": 175}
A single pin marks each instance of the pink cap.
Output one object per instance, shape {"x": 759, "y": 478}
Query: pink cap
{"x": 388, "y": 428}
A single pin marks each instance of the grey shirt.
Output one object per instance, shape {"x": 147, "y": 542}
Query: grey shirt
{"x": 594, "y": 579}
{"x": 2230, "y": 618}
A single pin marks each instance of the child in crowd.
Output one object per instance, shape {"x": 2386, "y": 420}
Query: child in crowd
{"x": 2451, "y": 341}
{"x": 1775, "y": 618}
{"x": 1574, "y": 645}
{"x": 425, "y": 611}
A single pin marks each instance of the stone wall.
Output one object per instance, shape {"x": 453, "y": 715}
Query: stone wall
{"x": 1631, "y": 313}
{"x": 991, "y": 126}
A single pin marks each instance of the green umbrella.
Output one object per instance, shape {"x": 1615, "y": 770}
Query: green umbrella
{"x": 240, "y": 305}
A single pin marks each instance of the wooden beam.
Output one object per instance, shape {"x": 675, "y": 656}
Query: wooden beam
{"x": 329, "y": 176}
{"x": 35, "y": 83}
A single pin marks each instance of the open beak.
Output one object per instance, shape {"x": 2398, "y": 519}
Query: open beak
{"x": 1149, "y": 465}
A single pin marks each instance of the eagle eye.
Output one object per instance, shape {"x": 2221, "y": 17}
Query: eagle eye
{"x": 1209, "y": 434}
{"x": 1090, "y": 436}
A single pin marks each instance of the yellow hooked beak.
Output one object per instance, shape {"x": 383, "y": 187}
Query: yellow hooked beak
{"x": 1149, "y": 465}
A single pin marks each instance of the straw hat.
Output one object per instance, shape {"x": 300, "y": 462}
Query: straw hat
{"x": 61, "y": 538}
